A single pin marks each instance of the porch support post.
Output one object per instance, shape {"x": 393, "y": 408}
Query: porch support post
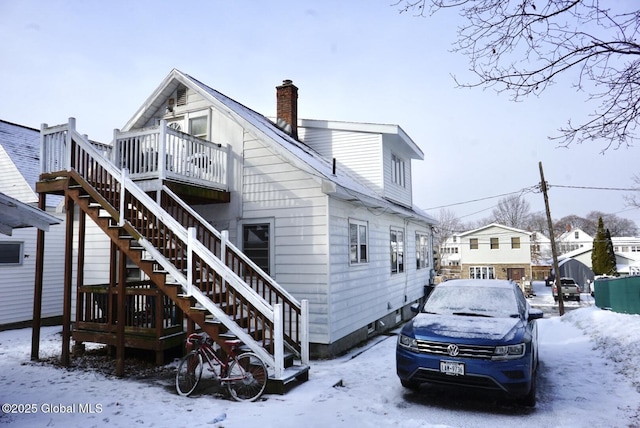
{"x": 80, "y": 304}
{"x": 121, "y": 318}
{"x": 278, "y": 338}
{"x": 304, "y": 331}
{"x": 68, "y": 276}
{"x": 37, "y": 286}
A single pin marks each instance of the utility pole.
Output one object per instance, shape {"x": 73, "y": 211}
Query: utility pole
{"x": 543, "y": 185}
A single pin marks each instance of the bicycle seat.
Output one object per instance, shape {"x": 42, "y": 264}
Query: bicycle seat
{"x": 233, "y": 342}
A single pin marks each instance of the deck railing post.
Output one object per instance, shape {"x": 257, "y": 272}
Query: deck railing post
{"x": 278, "y": 339}
{"x": 191, "y": 239}
{"x": 304, "y": 331}
{"x": 68, "y": 144}
{"x": 123, "y": 191}
{"x": 44, "y": 151}
{"x": 224, "y": 237}
{"x": 117, "y": 150}
{"x": 162, "y": 150}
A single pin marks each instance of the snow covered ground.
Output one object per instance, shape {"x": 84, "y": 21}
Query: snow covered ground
{"x": 589, "y": 376}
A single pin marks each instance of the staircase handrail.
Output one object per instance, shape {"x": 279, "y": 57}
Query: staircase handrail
{"x": 203, "y": 223}
{"x": 128, "y": 185}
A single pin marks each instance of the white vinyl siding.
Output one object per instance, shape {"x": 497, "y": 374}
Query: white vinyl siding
{"x": 359, "y": 153}
{"x": 502, "y": 251}
{"x": 400, "y": 193}
{"x": 274, "y": 188}
{"x": 18, "y": 280}
{"x": 362, "y": 294}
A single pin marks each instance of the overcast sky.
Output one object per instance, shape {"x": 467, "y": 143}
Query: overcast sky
{"x": 357, "y": 61}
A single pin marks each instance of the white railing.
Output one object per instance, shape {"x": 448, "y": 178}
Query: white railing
{"x": 165, "y": 153}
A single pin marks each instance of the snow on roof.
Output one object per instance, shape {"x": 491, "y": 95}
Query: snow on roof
{"x": 341, "y": 184}
{"x": 501, "y": 226}
{"x": 22, "y": 144}
{"x": 15, "y": 214}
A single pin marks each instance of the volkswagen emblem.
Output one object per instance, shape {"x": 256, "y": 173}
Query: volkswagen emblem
{"x": 453, "y": 350}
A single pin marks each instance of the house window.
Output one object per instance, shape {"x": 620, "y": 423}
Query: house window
{"x": 198, "y": 127}
{"x": 11, "y": 253}
{"x": 481, "y": 272}
{"x": 358, "y": 242}
{"x": 255, "y": 242}
{"x": 495, "y": 244}
{"x": 577, "y": 235}
{"x": 422, "y": 250}
{"x": 397, "y": 250}
{"x": 397, "y": 170}
{"x": 515, "y": 242}
{"x": 473, "y": 243}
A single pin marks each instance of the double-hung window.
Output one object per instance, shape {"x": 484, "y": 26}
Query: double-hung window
{"x": 397, "y": 170}
{"x": 358, "y": 242}
{"x": 397, "y": 250}
{"x": 422, "y": 250}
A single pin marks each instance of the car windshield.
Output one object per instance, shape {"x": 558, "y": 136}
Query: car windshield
{"x": 473, "y": 301}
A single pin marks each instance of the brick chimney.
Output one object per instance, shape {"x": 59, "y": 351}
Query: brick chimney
{"x": 287, "y": 107}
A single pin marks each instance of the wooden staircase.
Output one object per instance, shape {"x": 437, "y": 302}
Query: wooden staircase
{"x": 216, "y": 286}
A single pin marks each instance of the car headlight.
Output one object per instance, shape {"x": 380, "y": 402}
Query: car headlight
{"x": 408, "y": 342}
{"x": 508, "y": 352}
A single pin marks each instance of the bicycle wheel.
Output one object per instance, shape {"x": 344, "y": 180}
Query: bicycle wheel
{"x": 189, "y": 373}
{"x": 247, "y": 377}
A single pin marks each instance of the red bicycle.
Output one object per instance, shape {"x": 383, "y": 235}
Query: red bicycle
{"x": 244, "y": 375}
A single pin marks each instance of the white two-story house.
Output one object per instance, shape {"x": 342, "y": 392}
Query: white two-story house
{"x": 322, "y": 207}
{"x": 496, "y": 251}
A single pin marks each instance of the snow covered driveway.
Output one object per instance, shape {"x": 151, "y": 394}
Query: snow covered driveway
{"x": 589, "y": 377}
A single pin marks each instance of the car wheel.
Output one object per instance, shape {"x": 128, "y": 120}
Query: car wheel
{"x": 409, "y": 384}
{"x": 577, "y": 298}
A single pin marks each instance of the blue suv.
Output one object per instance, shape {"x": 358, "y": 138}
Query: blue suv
{"x": 473, "y": 333}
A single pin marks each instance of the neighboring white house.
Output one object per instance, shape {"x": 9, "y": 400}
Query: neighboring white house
{"x": 573, "y": 239}
{"x": 629, "y": 248}
{"x": 324, "y": 207}
{"x": 496, "y": 251}
{"x": 19, "y": 166}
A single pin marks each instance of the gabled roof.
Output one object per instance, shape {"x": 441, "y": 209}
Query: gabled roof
{"x": 15, "y": 214}
{"x": 341, "y": 185}
{"x": 22, "y": 145}
{"x": 500, "y": 226}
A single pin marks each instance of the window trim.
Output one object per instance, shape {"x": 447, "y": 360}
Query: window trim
{"x": 420, "y": 249}
{"x": 399, "y": 251}
{"x": 20, "y": 255}
{"x": 254, "y": 222}
{"x": 473, "y": 243}
{"x": 359, "y": 261}
{"x": 494, "y": 243}
{"x": 489, "y": 270}
{"x": 398, "y": 170}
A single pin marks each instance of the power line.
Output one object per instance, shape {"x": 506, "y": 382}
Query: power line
{"x": 596, "y": 188}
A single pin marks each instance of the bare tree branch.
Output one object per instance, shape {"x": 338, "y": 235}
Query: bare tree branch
{"x": 522, "y": 46}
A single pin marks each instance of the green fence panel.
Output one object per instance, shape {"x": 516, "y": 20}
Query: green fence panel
{"x": 601, "y": 293}
{"x": 625, "y": 295}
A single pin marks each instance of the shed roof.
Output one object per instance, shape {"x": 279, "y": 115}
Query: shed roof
{"x": 15, "y": 214}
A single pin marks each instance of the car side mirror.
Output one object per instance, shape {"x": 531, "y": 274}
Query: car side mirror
{"x": 415, "y": 308}
{"x": 535, "y": 313}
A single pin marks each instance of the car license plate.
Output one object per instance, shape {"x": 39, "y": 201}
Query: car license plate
{"x": 452, "y": 368}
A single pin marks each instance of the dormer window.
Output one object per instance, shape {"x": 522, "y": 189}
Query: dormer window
{"x": 397, "y": 170}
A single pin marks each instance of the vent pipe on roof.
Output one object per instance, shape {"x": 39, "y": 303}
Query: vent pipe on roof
{"x": 287, "y": 107}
